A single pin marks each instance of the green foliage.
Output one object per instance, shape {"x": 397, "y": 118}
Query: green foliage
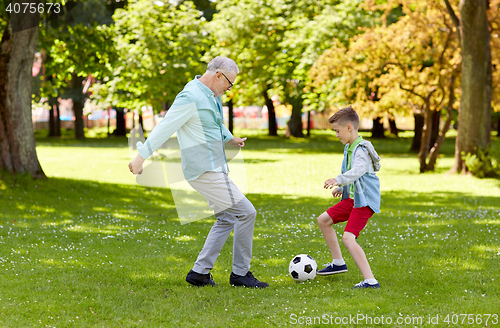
{"x": 484, "y": 164}
{"x": 159, "y": 50}
{"x": 76, "y": 44}
{"x": 250, "y": 32}
{"x": 276, "y": 42}
{"x": 395, "y": 68}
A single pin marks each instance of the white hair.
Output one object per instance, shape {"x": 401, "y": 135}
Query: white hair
{"x": 223, "y": 64}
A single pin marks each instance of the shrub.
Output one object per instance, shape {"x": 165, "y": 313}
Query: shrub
{"x": 484, "y": 164}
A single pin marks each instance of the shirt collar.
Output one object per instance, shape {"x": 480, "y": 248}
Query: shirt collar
{"x": 355, "y": 143}
{"x": 206, "y": 90}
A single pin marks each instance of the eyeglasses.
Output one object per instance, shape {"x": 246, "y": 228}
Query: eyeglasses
{"x": 230, "y": 83}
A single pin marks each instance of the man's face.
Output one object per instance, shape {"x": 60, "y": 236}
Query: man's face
{"x": 224, "y": 82}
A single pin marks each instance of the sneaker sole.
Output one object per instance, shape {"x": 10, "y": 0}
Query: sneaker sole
{"x": 330, "y": 273}
{"x": 197, "y": 284}
{"x": 369, "y": 287}
{"x": 246, "y": 286}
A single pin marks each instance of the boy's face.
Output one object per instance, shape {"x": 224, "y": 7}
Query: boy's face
{"x": 343, "y": 132}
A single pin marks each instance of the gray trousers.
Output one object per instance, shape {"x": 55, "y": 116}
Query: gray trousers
{"x": 232, "y": 211}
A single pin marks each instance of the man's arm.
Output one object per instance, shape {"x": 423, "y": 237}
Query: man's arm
{"x": 175, "y": 118}
{"x": 226, "y": 134}
{"x": 179, "y": 113}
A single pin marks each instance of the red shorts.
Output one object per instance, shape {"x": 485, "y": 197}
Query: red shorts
{"x": 356, "y": 217}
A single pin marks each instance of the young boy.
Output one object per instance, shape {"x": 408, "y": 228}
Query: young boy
{"x": 360, "y": 190}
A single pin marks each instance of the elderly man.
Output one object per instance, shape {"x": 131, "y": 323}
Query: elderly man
{"x": 196, "y": 116}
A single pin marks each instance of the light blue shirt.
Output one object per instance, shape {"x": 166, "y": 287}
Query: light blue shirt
{"x": 196, "y": 116}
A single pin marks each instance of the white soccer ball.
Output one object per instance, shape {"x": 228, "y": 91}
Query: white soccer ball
{"x": 303, "y": 267}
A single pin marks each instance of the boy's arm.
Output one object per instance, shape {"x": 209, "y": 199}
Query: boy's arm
{"x": 360, "y": 165}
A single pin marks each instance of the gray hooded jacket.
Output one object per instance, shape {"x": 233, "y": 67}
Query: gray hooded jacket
{"x": 365, "y": 163}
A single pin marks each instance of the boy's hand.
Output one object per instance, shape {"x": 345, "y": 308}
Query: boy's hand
{"x": 330, "y": 183}
{"x": 337, "y": 192}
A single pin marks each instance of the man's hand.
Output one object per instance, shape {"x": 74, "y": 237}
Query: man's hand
{"x": 237, "y": 142}
{"x": 135, "y": 166}
{"x": 337, "y": 192}
{"x": 330, "y": 183}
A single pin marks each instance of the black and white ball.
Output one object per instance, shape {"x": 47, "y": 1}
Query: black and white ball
{"x": 303, "y": 267}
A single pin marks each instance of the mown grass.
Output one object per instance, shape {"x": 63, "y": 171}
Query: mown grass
{"x": 90, "y": 248}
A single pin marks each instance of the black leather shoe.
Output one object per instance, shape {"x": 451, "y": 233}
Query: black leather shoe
{"x": 247, "y": 280}
{"x": 200, "y": 280}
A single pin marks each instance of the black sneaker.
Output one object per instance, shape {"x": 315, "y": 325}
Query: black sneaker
{"x": 247, "y": 280}
{"x": 200, "y": 280}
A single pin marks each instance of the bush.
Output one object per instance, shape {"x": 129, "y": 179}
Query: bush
{"x": 484, "y": 164}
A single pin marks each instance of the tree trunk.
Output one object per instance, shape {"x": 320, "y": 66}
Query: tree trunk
{"x": 58, "y": 119}
{"x": 431, "y": 165}
{"x": 498, "y": 127}
{"x": 78, "y": 99}
{"x": 109, "y": 122}
{"x": 52, "y": 121}
{"x": 54, "y": 118}
{"x": 79, "y": 124}
{"x": 295, "y": 122}
{"x": 141, "y": 120}
{"x": 474, "y": 129}
{"x": 436, "y": 120}
{"x": 393, "y": 128}
{"x": 419, "y": 128}
{"x": 17, "y": 137}
{"x": 120, "y": 123}
{"x": 230, "y": 115}
{"x": 426, "y": 136}
{"x": 273, "y": 126}
{"x": 378, "y": 128}
{"x": 308, "y": 123}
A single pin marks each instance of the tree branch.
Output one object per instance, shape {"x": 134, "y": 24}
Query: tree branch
{"x": 453, "y": 16}
{"x": 412, "y": 92}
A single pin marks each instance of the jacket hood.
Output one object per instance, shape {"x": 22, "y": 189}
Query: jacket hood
{"x": 373, "y": 154}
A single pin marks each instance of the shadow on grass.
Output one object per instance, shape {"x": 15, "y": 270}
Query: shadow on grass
{"x": 78, "y": 206}
{"x": 117, "y": 248}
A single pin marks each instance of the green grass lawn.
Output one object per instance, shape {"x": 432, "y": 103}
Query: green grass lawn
{"x": 90, "y": 248}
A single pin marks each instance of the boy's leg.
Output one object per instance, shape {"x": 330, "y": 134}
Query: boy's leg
{"x": 325, "y": 224}
{"x": 358, "y": 255}
{"x": 338, "y": 213}
{"x": 357, "y": 222}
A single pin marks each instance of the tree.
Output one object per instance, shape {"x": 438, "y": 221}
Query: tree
{"x": 474, "y": 128}
{"x": 409, "y": 64}
{"x": 17, "y": 49}
{"x": 159, "y": 48}
{"x": 79, "y": 48}
{"x": 250, "y": 33}
{"x": 494, "y": 22}
{"x": 275, "y": 43}
{"x": 312, "y": 25}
